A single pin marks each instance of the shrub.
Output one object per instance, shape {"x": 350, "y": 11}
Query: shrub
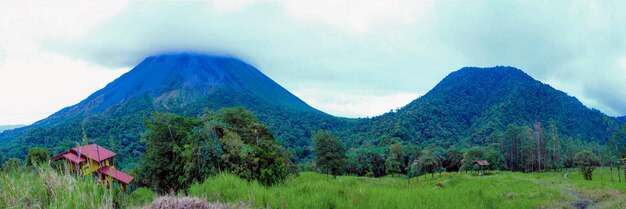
{"x": 12, "y": 165}
{"x": 586, "y": 162}
{"x": 139, "y": 197}
{"x": 37, "y": 155}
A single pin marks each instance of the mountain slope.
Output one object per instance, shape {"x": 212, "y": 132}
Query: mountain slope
{"x": 468, "y": 107}
{"x": 184, "y": 78}
{"x": 8, "y": 127}
{"x": 186, "y": 84}
{"x": 472, "y": 103}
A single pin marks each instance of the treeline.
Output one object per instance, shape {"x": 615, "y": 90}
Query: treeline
{"x": 519, "y": 148}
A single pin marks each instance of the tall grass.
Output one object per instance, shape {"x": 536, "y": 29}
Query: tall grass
{"x": 312, "y": 190}
{"x": 43, "y": 187}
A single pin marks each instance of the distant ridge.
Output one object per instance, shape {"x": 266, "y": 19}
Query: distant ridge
{"x": 9, "y": 127}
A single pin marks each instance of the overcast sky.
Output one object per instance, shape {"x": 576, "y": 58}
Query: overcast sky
{"x": 347, "y": 58}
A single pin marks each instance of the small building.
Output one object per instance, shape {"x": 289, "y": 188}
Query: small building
{"x": 482, "y": 164}
{"x": 97, "y": 161}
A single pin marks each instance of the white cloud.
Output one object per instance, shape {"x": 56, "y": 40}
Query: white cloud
{"x": 32, "y": 90}
{"x": 354, "y": 105}
{"x": 360, "y": 57}
{"x": 358, "y": 16}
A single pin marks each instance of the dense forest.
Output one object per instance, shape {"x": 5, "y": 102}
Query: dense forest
{"x": 500, "y": 112}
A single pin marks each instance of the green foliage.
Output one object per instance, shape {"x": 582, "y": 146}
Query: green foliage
{"x": 141, "y": 196}
{"x": 453, "y": 160}
{"x": 330, "y": 154}
{"x": 617, "y": 144}
{"x": 37, "y": 155}
{"x": 12, "y": 165}
{"x": 183, "y": 150}
{"x": 366, "y": 161}
{"x": 395, "y": 159}
{"x": 586, "y": 162}
{"x": 414, "y": 169}
{"x": 162, "y": 165}
{"x": 495, "y": 158}
{"x": 470, "y": 157}
{"x": 429, "y": 163}
{"x": 44, "y": 187}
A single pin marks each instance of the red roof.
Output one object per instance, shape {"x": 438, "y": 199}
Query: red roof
{"x": 89, "y": 151}
{"x": 69, "y": 156}
{"x": 73, "y": 157}
{"x": 114, "y": 173}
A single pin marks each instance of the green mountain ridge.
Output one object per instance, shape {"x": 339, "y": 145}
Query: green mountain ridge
{"x": 471, "y": 104}
{"x": 467, "y": 107}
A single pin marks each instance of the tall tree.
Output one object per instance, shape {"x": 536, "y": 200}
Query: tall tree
{"x": 414, "y": 170}
{"x": 472, "y": 155}
{"x": 429, "y": 163}
{"x": 618, "y": 146}
{"x": 452, "y": 162}
{"x": 330, "y": 154}
{"x": 395, "y": 159}
{"x": 162, "y": 166}
{"x": 555, "y": 147}
{"x": 540, "y": 140}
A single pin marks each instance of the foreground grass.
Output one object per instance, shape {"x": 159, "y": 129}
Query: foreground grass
{"x": 45, "y": 188}
{"x": 42, "y": 187}
{"x": 450, "y": 190}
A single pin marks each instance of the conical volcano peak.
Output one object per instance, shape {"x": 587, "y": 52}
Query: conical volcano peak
{"x": 501, "y": 71}
{"x": 187, "y": 77}
{"x": 185, "y": 58}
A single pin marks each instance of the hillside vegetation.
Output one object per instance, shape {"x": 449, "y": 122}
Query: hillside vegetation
{"x": 469, "y": 107}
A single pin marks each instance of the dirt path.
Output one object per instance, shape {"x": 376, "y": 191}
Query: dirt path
{"x": 581, "y": 202}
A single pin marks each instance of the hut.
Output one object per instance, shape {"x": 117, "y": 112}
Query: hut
{"x": 97, "y": 161}
{"x": 482, "y": 165}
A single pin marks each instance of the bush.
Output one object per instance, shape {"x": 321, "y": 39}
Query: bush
{"x": 139, "y": 197}
{"x": 12, "y": 165}
{"x": 37, "y": 155}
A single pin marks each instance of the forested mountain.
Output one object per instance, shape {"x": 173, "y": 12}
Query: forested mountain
{"x": 621, "y": 119}
{"x": 186, "y": 84}
{"x": 474, "y": 105}
{"x": 9, "y": 127}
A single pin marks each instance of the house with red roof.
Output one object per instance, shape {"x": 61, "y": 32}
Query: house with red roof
{"x": 95, "y": 160}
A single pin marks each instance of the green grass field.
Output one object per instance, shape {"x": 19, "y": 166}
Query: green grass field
{"x": 44, "y": 188}
{"x": 455, "y": 190}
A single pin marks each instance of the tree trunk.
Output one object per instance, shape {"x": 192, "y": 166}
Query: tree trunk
{"x": 611, "y": 171}
{"x": 619, "y": 177}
